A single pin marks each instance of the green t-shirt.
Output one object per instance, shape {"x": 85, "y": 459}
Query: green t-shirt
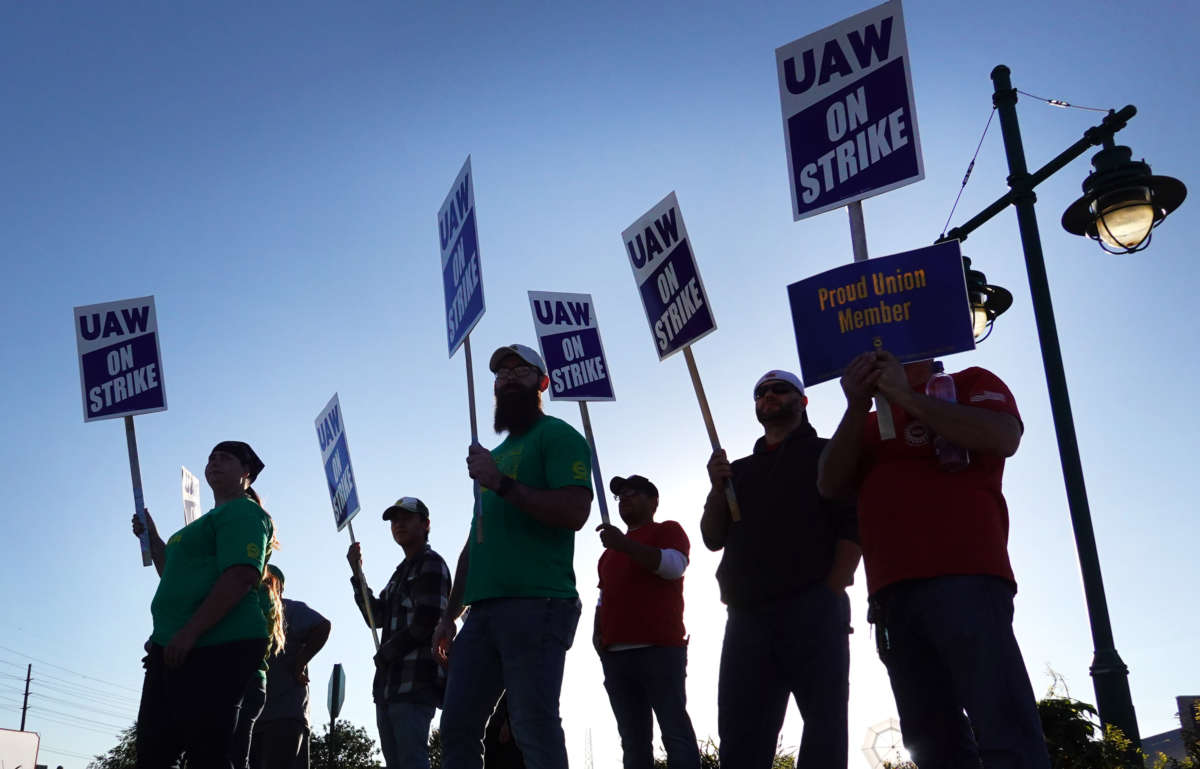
{"x": 234, "y": 534}
{"x": 520, "y": 557}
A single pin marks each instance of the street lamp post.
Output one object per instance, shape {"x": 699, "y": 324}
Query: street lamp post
{"x": 1109, "y": 673}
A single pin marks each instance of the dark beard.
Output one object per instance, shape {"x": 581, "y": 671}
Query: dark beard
{"x": 517, "y": 410}
{"x": 784, "y": 414}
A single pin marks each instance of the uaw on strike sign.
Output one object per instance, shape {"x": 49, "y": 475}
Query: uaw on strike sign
{"x": 335, "y": 455}
{"x": 461, "y": 279}
{"x": 120, "y": 364}
{"x": 665, "y": 270}
{"x": 569, "y": 336}
{"x": 848, "y": 117}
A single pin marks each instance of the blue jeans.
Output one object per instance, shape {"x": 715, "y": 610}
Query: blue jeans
{"x": 948, "y": 646}
{"x": 651, "y": 679}
{"x": 404, "y": 734}
{"x": 798, "y": 646}
{"x": 518, "y": 644}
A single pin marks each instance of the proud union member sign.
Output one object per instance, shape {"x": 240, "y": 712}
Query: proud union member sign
{"x": 912, "y": 304}
{"x": 849, "y": 122}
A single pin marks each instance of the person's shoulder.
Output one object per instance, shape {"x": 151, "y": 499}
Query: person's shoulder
{"x": 551, "y": 425}
{"x": 242, "y": 507}
{"x": 431, "y": 560}
{"x": 670, "y": 530}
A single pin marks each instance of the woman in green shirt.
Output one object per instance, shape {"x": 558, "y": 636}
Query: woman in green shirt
{"x": 210, "y": 633}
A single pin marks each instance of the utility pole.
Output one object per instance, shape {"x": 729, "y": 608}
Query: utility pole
{"x": 25, "y": 706}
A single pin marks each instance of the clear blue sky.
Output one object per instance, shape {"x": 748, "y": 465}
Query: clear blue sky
{"x": 271, "y": 173}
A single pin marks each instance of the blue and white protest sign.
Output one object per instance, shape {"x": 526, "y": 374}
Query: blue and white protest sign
{"x": 335, "y": 455}
{"x": 569, "y": 336}
{"x": 665, "y": 269}
{"x": 461, "y": 277}
{"x": 849, "y": 121}
{"x": 912, "y": 304}
{"x": 191, "y": 495}
{"x": 120, "y": 363}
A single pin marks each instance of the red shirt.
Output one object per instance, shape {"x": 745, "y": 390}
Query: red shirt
{"x": 638, "y": 606}
{"x": 917, "y": 521}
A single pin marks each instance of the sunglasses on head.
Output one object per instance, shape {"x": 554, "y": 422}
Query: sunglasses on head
{"x": 779, "y": 388}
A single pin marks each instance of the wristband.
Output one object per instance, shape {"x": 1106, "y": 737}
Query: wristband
{"x": 506, "y": 485}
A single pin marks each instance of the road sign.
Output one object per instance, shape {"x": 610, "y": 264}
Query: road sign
{"x": 191, "y": 496}
{"x": 120, "y": 364}
{"x": 912, "y": 304}
{"x": 569, "y": 336}
{"x": 665, "y": 270}
{"x": 337, "y": 691}
{"x": 335, "y": 455}
{"x": 18, "y": 750}
{"x": 849, "y": 121}
{"x": 461, "y": 276}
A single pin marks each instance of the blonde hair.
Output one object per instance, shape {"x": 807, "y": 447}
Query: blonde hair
{"x": 271, "y": 587}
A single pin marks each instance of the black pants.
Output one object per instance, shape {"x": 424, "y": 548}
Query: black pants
{"x": 193, "y": 709}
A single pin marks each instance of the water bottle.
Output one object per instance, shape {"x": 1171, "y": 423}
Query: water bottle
{"x": 951, "y": 458}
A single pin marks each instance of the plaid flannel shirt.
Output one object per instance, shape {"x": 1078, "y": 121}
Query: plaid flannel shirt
{"x": 407, "y": 611}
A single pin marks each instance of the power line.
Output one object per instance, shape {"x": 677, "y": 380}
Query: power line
{"x": 39, "y": 695}
{"x": 69, "y": 754}
{"x": 72, "y": 672}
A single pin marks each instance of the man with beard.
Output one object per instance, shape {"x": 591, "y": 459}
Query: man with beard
{"x": 516, "y": 574}
{"x": 783, "y": 576}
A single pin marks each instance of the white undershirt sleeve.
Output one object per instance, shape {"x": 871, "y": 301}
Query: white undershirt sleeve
{"x": 671, "y": 564}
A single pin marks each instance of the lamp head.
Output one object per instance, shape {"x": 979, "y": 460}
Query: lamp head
{"x": 988, "y": 302}
{"x": 1122, "y": 202}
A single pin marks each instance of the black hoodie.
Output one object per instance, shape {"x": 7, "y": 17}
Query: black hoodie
{"x": 784, "y": 542}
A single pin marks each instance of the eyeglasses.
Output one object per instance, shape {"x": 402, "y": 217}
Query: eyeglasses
{"x": 779, "y": 388}
{"x": 516, "y": 372}
{"x": 626, "y": 493}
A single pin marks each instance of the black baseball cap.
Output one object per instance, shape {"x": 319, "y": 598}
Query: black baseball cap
{"x": 634, "y": 483}
{"x": 409, "y": 504}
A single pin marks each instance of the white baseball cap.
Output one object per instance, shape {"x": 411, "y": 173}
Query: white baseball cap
{"x": 777, "y": 375}
{"x": 527, "y": 354}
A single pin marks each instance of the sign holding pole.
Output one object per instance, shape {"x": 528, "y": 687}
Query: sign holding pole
{"x": 120, "y": 373}
{"x": 191, "y": 495}
{"x": 914, "y": 304}
{"x": 674, "y": 298}
{"x": 339, "y": 478}
{"x": 462, "y": 283}
{"x": 569, "y": 337}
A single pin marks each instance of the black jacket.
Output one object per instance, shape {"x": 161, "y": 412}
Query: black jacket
{"x": 785, "y": 540}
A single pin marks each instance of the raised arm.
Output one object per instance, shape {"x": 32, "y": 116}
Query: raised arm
{"x": 838, "y": 467}
{"x": 158, "y": 549}
{"x": 971, "y": 427}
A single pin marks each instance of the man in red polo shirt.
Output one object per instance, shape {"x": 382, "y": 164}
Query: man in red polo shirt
{"x": 935, "y": 547}
{"x": 639, "y": 632}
